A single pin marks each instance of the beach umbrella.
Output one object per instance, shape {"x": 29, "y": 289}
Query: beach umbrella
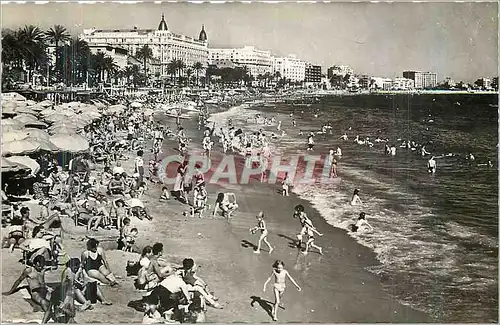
{"x": 37, "y": 133}
{"x": 25, "y": 118}
{"x": 62, "y": 129}
{"x": 9, "y": 121}
{"x": 148, "y": 112}
{"x": 36, "y": 124}
{"x": 8, "y": 166}
{"x": 70, "y": 142}
{"x": 37, "y": 108}
{"x": 16, "y": 96}
{"x": 8, "y": 128}
{"x": 26, "y": 110}
{"x": 56, "y": 118}
{"x": 25, "y": 161}
{"x": 19, "y": 147}
{"x": 9, "y": 108}
{"x": 46, "y": 103}
{"x": 14, "y": 136}
{"x": 44, "y": 144}
{"x": 48, "y": 111}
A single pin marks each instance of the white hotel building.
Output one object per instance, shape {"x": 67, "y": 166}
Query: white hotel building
{"x": 165, "y": 45}
{"x": 256, "y": 61}
{"x": 290, "y": 68}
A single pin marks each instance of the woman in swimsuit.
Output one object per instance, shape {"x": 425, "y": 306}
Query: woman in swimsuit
{"x": 95, "y": 264}
{"x": 280, "y": 275}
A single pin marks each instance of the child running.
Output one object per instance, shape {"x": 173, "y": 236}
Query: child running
{"x": 261, "y": 225}
{"x": 310, "y": 231}
{"x": 280, "y": 275}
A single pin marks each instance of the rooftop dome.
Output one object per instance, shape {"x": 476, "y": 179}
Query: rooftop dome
{"x": 163, "y": 23}
{"x": 203, "y": 35}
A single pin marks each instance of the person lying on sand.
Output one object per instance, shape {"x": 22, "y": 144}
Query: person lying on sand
{"x": 280, "y": 275}
{"x": 35, "y": 276}
{"x": 96, "y": 265}
{"x": 227, "y": 203}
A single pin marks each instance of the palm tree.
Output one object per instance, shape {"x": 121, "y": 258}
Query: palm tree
{"x": 180, "y": 66}
{"x": 110, "y": 67}
{"x": 197, "y": 68}
{"x": 55, "y": 35}
{"x": 189, "y": 72}
{"x": 172, "y": 69}
{"x": 144, "y": 53}
{"x": 33, "y": 47}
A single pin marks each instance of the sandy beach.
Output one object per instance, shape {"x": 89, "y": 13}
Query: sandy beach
{"x": 335, "y": 287}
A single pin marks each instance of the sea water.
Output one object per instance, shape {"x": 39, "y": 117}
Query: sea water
{"x": 436, "y": 236}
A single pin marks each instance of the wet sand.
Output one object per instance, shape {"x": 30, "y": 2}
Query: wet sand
{"x": 335, "y": 287}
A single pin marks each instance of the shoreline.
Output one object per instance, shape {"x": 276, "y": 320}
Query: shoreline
{"x": 336, "y": 286}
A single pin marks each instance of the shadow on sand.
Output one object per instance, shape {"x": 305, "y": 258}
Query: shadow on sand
{"x": 245, "y": 243}
{"x": 264, "y": 304}
{"x": 292, "y": 243}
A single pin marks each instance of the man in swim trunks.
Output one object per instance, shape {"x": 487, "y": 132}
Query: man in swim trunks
{"x": 35, "y": 276}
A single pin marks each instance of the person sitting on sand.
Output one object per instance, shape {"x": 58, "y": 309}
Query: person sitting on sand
{"x": 116, "y": 185}
{"x": 200, "y": 196}
{"x": 35, "y": 276}
{"x": 227, "y": 203}
{"x": 165, "y": 194}
{"x": 118, "y": 211}
{"x": 195, "y": 283}
{"x": 137, "y": 207}
{"x": 361, "y": 224}
{"x": 73, "y": 287}
{"x": 16, "y": 235}
{"x": 146, "y": 279}
{"x": 261, "y": 226}
{"x": 118, "y": 170}
{"x": 160, "y": 266}
{"x": 44, "y": 219}
{"x": 280, "y": 275}
{"x": 37, "y": 246}
{"x": 96, "y": 265}
{"x": 100, "y": 214}
{"x": 355, "y": 200}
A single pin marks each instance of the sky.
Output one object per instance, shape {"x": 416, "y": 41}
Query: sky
{"x": 459, "y": 40}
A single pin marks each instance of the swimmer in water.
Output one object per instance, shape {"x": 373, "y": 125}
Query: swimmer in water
{"x": 355, "y": 198}
{"x": 431, "y": 165}
{"x": 280, "y": 275}
{"x": 361, "y": 224}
